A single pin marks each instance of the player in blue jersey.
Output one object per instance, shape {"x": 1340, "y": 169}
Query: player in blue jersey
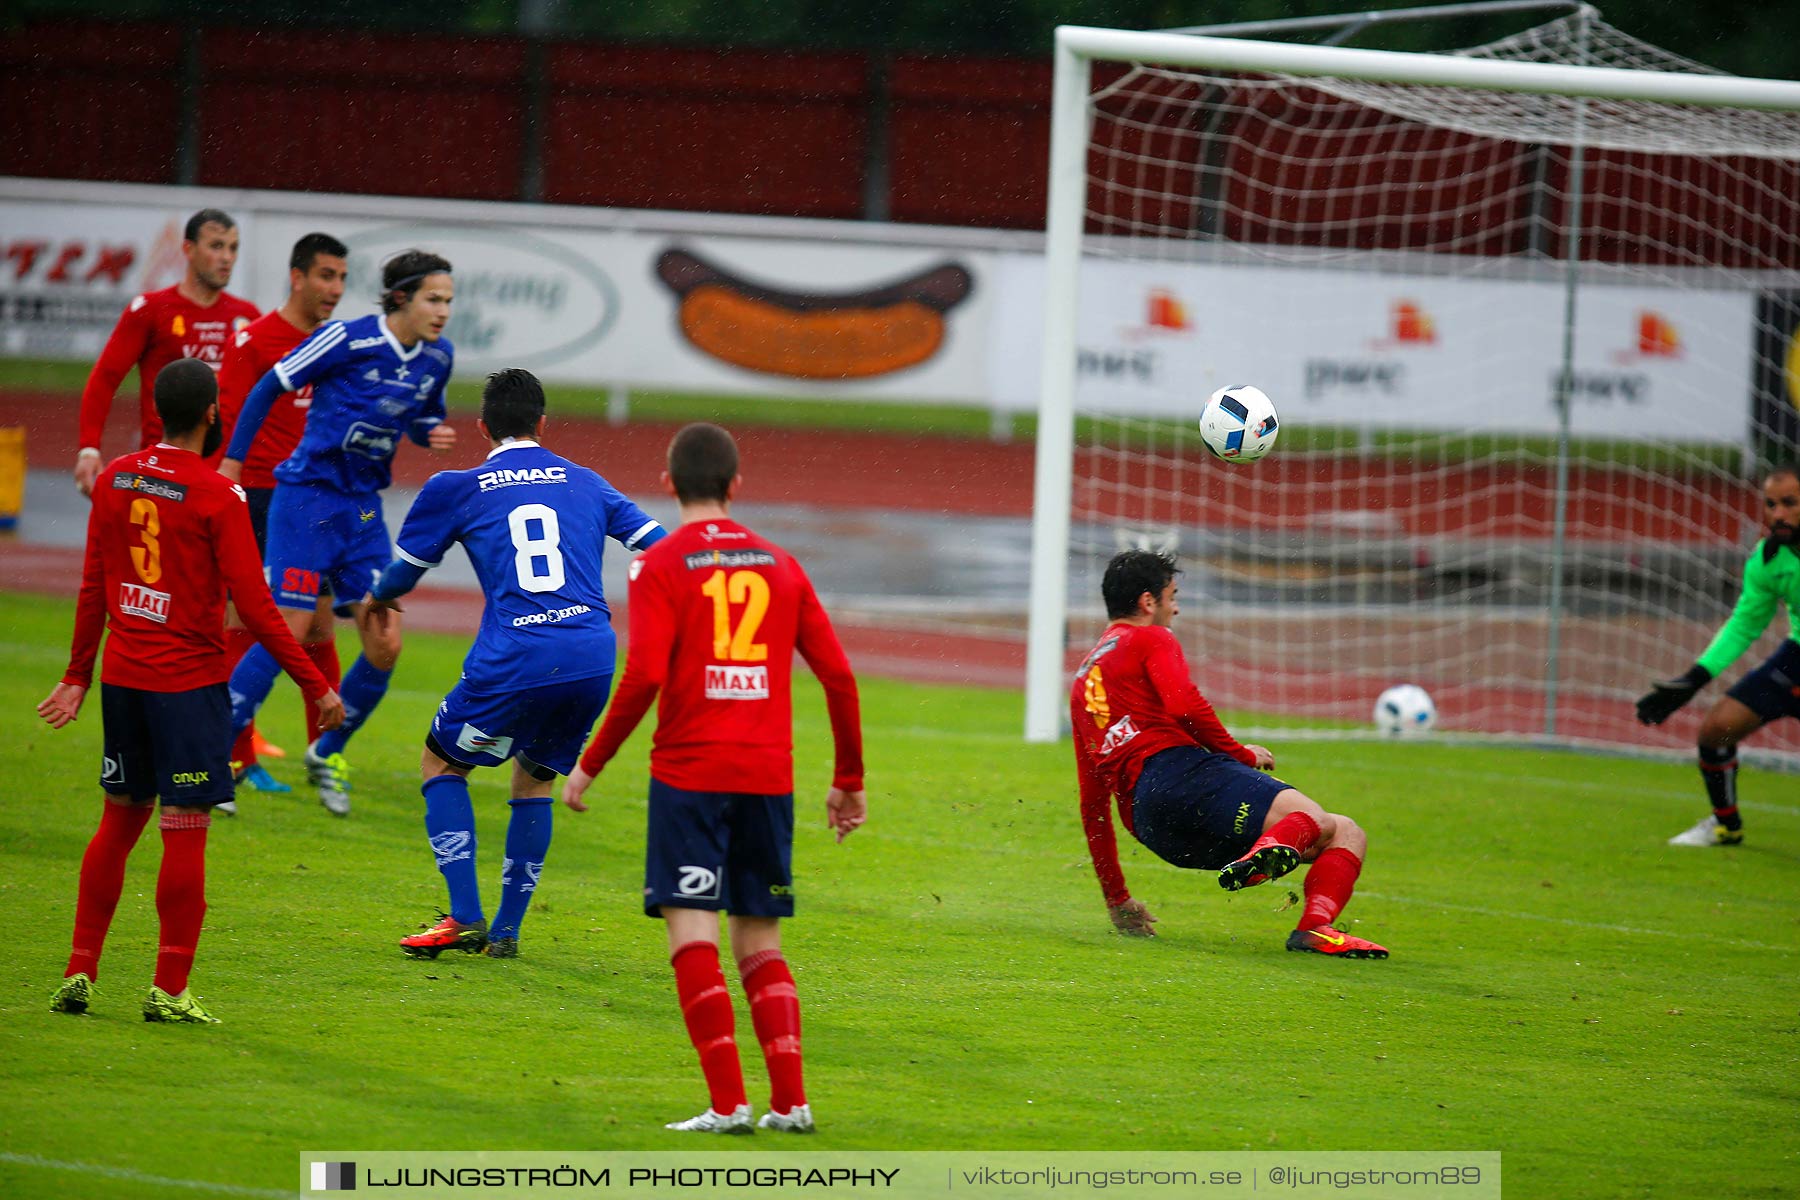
{"x": 374, "y": 380}
{"x": 535, "y": 526}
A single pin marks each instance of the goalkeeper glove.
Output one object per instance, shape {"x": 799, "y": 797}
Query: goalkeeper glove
{"x": 1667, "y": 695}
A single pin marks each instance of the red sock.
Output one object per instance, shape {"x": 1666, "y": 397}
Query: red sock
{"x": 775, "y": 1012}
{"x": 243, "y": 748}
{"x": 102, "y": 879}
{"x": 324, "y": 656}
{"x": 706, "y": 1007}
{"x": 237, "y": 644}
{"x": 1296, "y": 829}
{"x": 180, "y": 896}
{"x": 1328, "y": 886}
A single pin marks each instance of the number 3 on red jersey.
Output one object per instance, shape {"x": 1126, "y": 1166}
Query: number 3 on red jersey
{"x": 147, "y": 558}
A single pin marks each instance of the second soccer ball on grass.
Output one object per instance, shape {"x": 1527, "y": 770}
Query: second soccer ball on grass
{"x": 1405, "y": 710}
{"x": 1238, "y": 423}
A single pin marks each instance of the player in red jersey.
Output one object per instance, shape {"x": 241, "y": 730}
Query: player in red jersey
{"x": 194, "y": 319}
{"x": 167, "y": 537}
{"x": 1185, "y": 787}
{"x": 716, "y": 615}
{"x": 317, "y": 272}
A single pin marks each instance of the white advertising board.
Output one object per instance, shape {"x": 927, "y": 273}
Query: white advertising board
{"x": 686, "y": 312}
{"x": 760, "y": 306}
{"x": 67, "y": 271}
{"x": 1388, "y": 351}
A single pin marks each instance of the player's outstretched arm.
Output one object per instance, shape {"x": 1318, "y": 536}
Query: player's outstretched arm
{"x": 846, "y": 811}
{"x": 1128, "y": 916}
{"x": 249, "y": 423}
{"x": 1666, "y": 696}
{"x": 1132, "y": 919}
{"x": 62, "y": 705}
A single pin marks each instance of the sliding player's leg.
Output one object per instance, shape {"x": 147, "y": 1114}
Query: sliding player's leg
{"x": 1336, "y": 856}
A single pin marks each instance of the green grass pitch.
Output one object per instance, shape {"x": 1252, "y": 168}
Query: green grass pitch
{"x": 1616, "y": 1016}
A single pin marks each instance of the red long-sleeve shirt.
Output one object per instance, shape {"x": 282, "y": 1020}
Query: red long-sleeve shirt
{"x": 716, "y": 615}
{"x": 155, "y": 329}
{"x": 1131, "y": 699}
{"x": 248, "y": 357}
{"x": 167, "y": 538}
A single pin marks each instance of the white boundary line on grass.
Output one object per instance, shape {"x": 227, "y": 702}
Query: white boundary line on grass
{"x": 1476, "y": 910}
{"x": 199, "y": 1185}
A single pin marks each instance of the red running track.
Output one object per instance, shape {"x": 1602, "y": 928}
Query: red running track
{"x": 839, "y": 469}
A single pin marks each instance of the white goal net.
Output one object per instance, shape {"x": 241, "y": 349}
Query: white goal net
{"x": 1527, "y": 313}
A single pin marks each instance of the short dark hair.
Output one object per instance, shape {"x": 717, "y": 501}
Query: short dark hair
{"x": 1130, "y": 574}
{"x": 703, "y": 460}
{"x": 311, "y": 246}
{"x": 184, "y": 390}
{"x": 512, "y": 403}
{"x": 402, "y": 274}
{"x": 206, "y": 216}
{"x": 1783, "y": 469}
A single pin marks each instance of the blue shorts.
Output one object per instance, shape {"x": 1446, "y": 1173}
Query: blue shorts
{"x": 725, "y": 851}
{"x": 176, "y": 745}
{"x": 322, "y": 539}
{"x": 1199, "y": 809}
{"x": 542, "y": 726}
{"x": 1772, "y": 690}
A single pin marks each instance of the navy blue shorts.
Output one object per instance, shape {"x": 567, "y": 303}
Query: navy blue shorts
{"x": 176, "y": 745}
{"x": 320, "y": 539}
{"x": 1772, "y": 690}
{"x": 725, "y": 851}
{"x": 543, "y": 725}
{"x": 1199, "y": 809}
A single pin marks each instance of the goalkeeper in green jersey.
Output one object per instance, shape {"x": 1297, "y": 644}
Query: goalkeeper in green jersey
{"x": 1771, "y": 691}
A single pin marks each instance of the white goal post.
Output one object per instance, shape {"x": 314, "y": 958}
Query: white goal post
{"x": 1468, "y": 548}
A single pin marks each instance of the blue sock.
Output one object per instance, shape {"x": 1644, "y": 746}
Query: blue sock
{"x": 450, "y": 823}
{"x": 251, "y": 680}
{"x": 362, "y": 690}
{"x": 527, "y": 842}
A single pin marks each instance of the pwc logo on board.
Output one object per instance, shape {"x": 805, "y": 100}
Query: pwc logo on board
{"x": 1164, "y": 310}
{"x": 1409, "y": 324}
{"x": 1656, "y": 338}
{"x": 1165, "y": 314}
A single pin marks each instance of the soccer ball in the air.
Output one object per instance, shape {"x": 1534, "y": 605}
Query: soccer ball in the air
{"x": 1405, "y": 710}
{"x": 1238, "y": 423}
